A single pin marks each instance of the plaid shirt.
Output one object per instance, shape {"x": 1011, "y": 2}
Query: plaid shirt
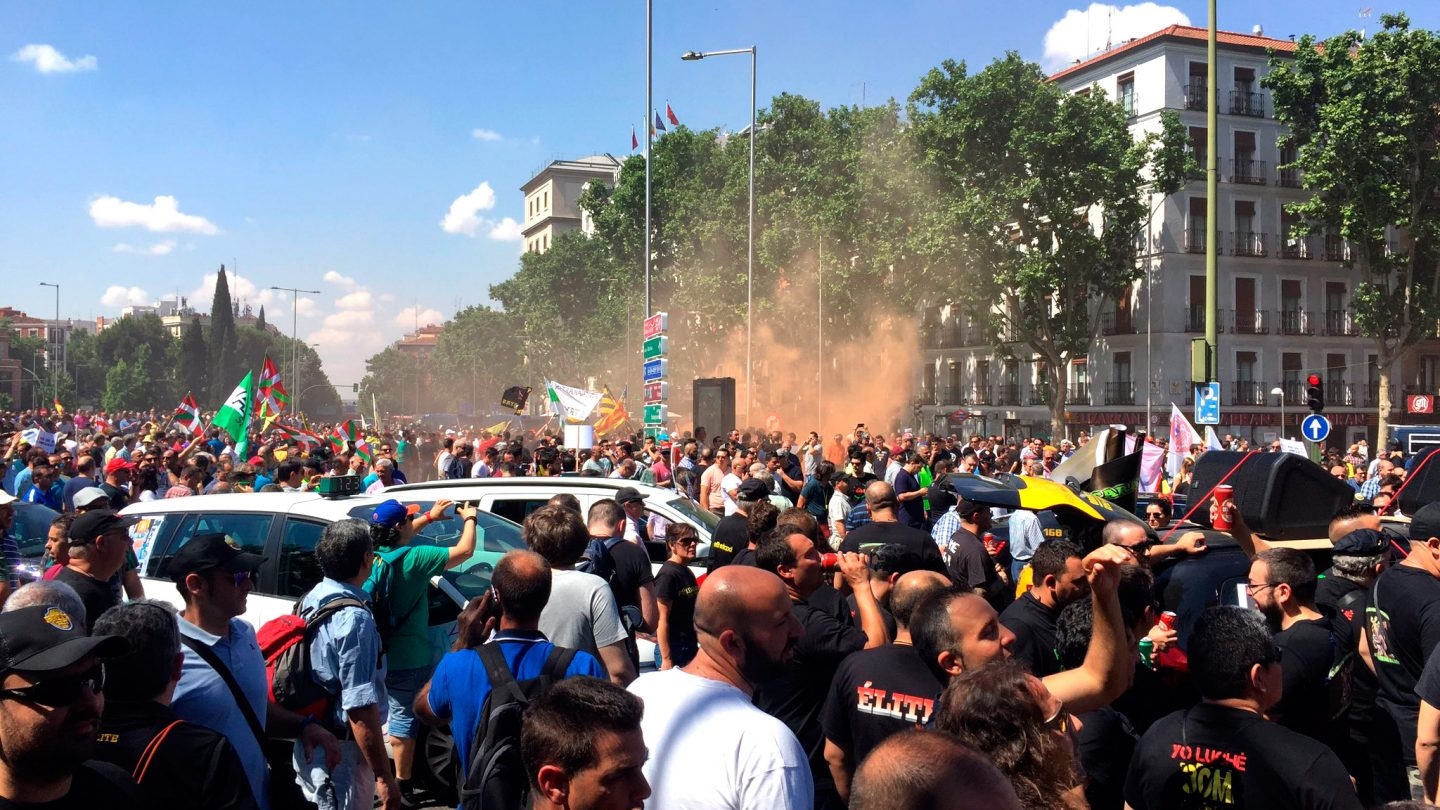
{"x": 944, "y": 529}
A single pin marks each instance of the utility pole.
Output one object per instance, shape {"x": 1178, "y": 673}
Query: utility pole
{"x": 294, "y": 324}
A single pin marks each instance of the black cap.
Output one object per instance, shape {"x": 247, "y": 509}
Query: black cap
{"x": 752, "y": 489}
{"x": 1361, "y": 543}
{"x": 969, "y": 509}
{"x": 44, "y": 638}
{"x": 1425, "y": 524}
{"x": 90, "y": 525}
{"x": 210, "y": 550}
{"x": 629, "y": 495}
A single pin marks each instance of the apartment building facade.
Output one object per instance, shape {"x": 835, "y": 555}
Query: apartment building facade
{"x": 1284, "y": 301}
{"x": 552, "y": 198}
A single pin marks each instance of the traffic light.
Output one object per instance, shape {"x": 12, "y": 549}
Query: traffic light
{"x": 1315, "y": 394}
{"x": 355, "y": 387}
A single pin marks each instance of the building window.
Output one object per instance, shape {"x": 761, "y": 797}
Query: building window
{"x": 545, "y": 205}
{"x": 1125, "y": 92}
{"x": 1195, "y": 95}
{"x": 1196, "y": 230}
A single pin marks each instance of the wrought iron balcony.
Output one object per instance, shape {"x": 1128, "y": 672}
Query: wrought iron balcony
{"x": 1246, "y": 103}
{"x": 1295, "y": 322}
{"x": 1249, "y": 392}
{"x": 1195, "y": 96}
{"x": 1119, "y": 393}
{"x": 1250, "y": 243}
{"x": 1248, "y": 171}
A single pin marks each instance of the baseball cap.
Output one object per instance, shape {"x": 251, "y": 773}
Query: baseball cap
{"x": 967, "y": 508}
{"x": 7, "y": 498}
{"x": 1361, "y": 543}
{"x": 1426, "y": 523}
{"x": 752, "y": 489}
{"x": 390, "y": 513}
{"x": 118, "y": 464}
{"x": 628, "y": 495}
{"x": 44, "y": 638}
{"x": 87, "y": 496}
{"x": 210, "y": 550}
{"x": 96, "y": 522}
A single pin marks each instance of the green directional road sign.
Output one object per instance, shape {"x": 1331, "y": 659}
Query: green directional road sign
{"x": 657, "y": 346}
{"x": 655, "y": 414}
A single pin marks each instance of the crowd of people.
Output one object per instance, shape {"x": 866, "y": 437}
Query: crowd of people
{"x": 856, "y": 637}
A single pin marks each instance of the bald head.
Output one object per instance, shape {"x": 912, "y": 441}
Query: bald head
{"x": 731, "y": 595}
{"x": 522, "y": 581}
{"x": 880, "y": 495}
{"x": 910, "y": 589}
{"x": 923, "y": 768}
{"x": 1352, "y": 520}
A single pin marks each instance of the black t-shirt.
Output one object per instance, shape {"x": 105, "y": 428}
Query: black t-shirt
{"x": 873, "y": 535}
{"x": 912, "y": 511}
{"x": 795, "y": 697}
{"x": 729, "y": 538}
{"x": 1214, "y": 756}
{"x": 854, "y": 610}
{"x": 95, "y": 785}
{"x": 877, "y": 693}
{"x": 118, "y": 499}
{"x": 1034, "y": 627}
{"x": 1318, "y": 657}
{"x": 972, "y": 567}
{"x": 676, "y": 584}
{"x": 192, "y": 766}
{"x": 1349, "y": 599}
{"x": 1107, "y": 742}
{"x": 632, "y": 571}
{"x": 97, "y": 596}
{"x": 1403, "y": 624}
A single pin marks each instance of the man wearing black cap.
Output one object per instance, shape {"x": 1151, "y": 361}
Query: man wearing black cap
{"x": 636, "y": 528}
{"x": 1402, "y": 627}
{"x": 969, "y": 562}
{"x": 214, "y": 577}
{"x": 732, "y": 535}
{"x": 98, "y": 541}
{"x": 50, "y": 704}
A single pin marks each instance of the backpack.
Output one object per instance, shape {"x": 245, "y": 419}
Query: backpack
{"x": 381, "y": 587}
{"x": 495, "y": 777}
{"x": 285, "y": 643}
{"x": 597, "y": 560}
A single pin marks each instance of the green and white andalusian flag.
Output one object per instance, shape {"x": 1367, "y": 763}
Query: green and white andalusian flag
{"x": 234, "y": 416}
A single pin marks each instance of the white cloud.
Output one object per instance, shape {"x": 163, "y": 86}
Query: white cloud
{"x": 307, "y": 308}
{"x": 409, "y": 316}
{"x": 158, "y": 249}
{"x": 506, "y": 230}
{"x": 360, "y": 299}
{"x": 117, "y": 296}
{"x": 242, "y": 289}
{"x": 332, "y": 277}
{"x": 46, "y": 59}
{"x": 161, "y": 216}
{"x": 1081, "y": 33}
{"x": 464, "y": 214}
{"x": 488, "y": 135}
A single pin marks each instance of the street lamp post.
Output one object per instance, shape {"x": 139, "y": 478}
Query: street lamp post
{"x": 294, "y": 323}
{"x": 1280, "y": 392}
{"x": 692, "y": 56}
{"x": 53, "y": 333}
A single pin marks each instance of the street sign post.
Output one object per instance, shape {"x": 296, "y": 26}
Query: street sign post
{"x": 655, "y": 369}
{"x": 1207, "y": 403}
{"x": 1315, "y": 428}
{"x": 655, "y": 414}
{"x": 657, "y": 346}
{"x": 656, "y": 324}
{"x": 656, "y": 391}
{"x": 654, "y": 350}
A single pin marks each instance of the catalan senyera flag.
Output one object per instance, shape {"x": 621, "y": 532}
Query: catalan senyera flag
{"x": 187, "y": 414}
{"x": 272, "y": 397}
{"x": 612, "y": 414}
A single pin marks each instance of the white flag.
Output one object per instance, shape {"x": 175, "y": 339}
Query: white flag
{"x": 575, "y": 404}
{"x": 1182, "y": 435}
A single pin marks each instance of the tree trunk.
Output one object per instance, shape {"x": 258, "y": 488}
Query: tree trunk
{"x": 1383, "y": 405}
{"x": 1059, "y": 374}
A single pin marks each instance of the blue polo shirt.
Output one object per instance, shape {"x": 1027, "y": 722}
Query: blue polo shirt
{"x": 345, "y": 653}
{"x": 202, "y": 696}
{"x": 460, "y": 684}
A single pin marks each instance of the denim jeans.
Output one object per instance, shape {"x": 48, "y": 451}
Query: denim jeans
{"x": 351, "y": 786}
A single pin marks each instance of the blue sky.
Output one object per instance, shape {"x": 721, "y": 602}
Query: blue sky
{"x": 321, "y": 144}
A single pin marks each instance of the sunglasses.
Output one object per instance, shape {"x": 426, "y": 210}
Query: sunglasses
{"x": 242, "y": 577}
{"x": 1155, "y": 515}
{"x": 58, "y": 692}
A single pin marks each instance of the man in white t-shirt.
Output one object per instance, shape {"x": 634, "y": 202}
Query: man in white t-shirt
{"x": 710, "y": 747}
{"x": 581, "y": 613}
{"x": 730, "y": 484}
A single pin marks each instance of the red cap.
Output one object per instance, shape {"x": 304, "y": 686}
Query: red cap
{"x": 116, "y": 464}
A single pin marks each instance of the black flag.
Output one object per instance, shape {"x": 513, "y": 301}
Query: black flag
{"x": 514, "y": 398}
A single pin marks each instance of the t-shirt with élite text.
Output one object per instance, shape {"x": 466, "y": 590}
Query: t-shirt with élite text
{"x": 877, "y": 693}
{"x": 581, "y": 613}
{"x": 1216, "y": 756}
{"x": 409, "y": 646}
{"x": 711, "y": 749}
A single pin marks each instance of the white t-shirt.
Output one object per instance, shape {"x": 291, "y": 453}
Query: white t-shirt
{"x": 480, "y": 469}
{"x": 711, "y": 749}
{"x": 581, "y": 613}
{"x": 838, "y": 509}
{"x": 731, "y": 481}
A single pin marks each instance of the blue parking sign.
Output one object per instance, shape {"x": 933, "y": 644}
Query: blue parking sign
{"x": 1207, "y": 403}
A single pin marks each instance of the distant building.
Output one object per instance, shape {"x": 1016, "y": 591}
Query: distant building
{"x": 176, "y": 314}
{"x": 1284, "y": 302}
{"x": 420, "y": 344}
{"x": 552, "y": 198}
{"x": 56, "y": 334}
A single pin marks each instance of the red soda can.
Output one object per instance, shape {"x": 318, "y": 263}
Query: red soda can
{"x": 1223, "y": 493}
{"x": 1167, "y": 620}
{"x": 830, "y": 561}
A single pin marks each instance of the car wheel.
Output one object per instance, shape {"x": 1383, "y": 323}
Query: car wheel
{"x": 437, "y": 750}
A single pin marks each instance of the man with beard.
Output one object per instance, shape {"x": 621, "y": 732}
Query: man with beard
{"x": 50, "y": 703}
{"x": 1315, "y": 647}
{"x": 711, "y": 748}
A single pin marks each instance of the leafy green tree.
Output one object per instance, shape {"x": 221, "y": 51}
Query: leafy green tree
{"x": 30, "y": 351}
{"x": 127, "y": 384}
{"x": 397, "y": 382}
{"x": 1364, "y": 114}
{"x": 224, "y": 365}
{"x": 478, "y": 356}
{"x": 83, "y": 361}
{"x": 1038, "y": 198}
{"x": 124, "y": 338}
{"x": 194, "y": 369}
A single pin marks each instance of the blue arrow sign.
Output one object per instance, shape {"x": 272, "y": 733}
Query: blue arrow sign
{"x": 655, "y": 369}
{"x": 1315, "y": 428}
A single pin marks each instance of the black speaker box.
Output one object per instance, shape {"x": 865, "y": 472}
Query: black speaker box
{"x": 714, "y": 405}
{"x": 1281, "y": 495}
{"x": 1422, "y": 484}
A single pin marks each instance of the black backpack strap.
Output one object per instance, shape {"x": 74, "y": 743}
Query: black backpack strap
{"x": 317, "y": 616}
{"x": 208, "y": 656}
{"x": 501, "y": 678}
{"x": 557, "y": 662}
